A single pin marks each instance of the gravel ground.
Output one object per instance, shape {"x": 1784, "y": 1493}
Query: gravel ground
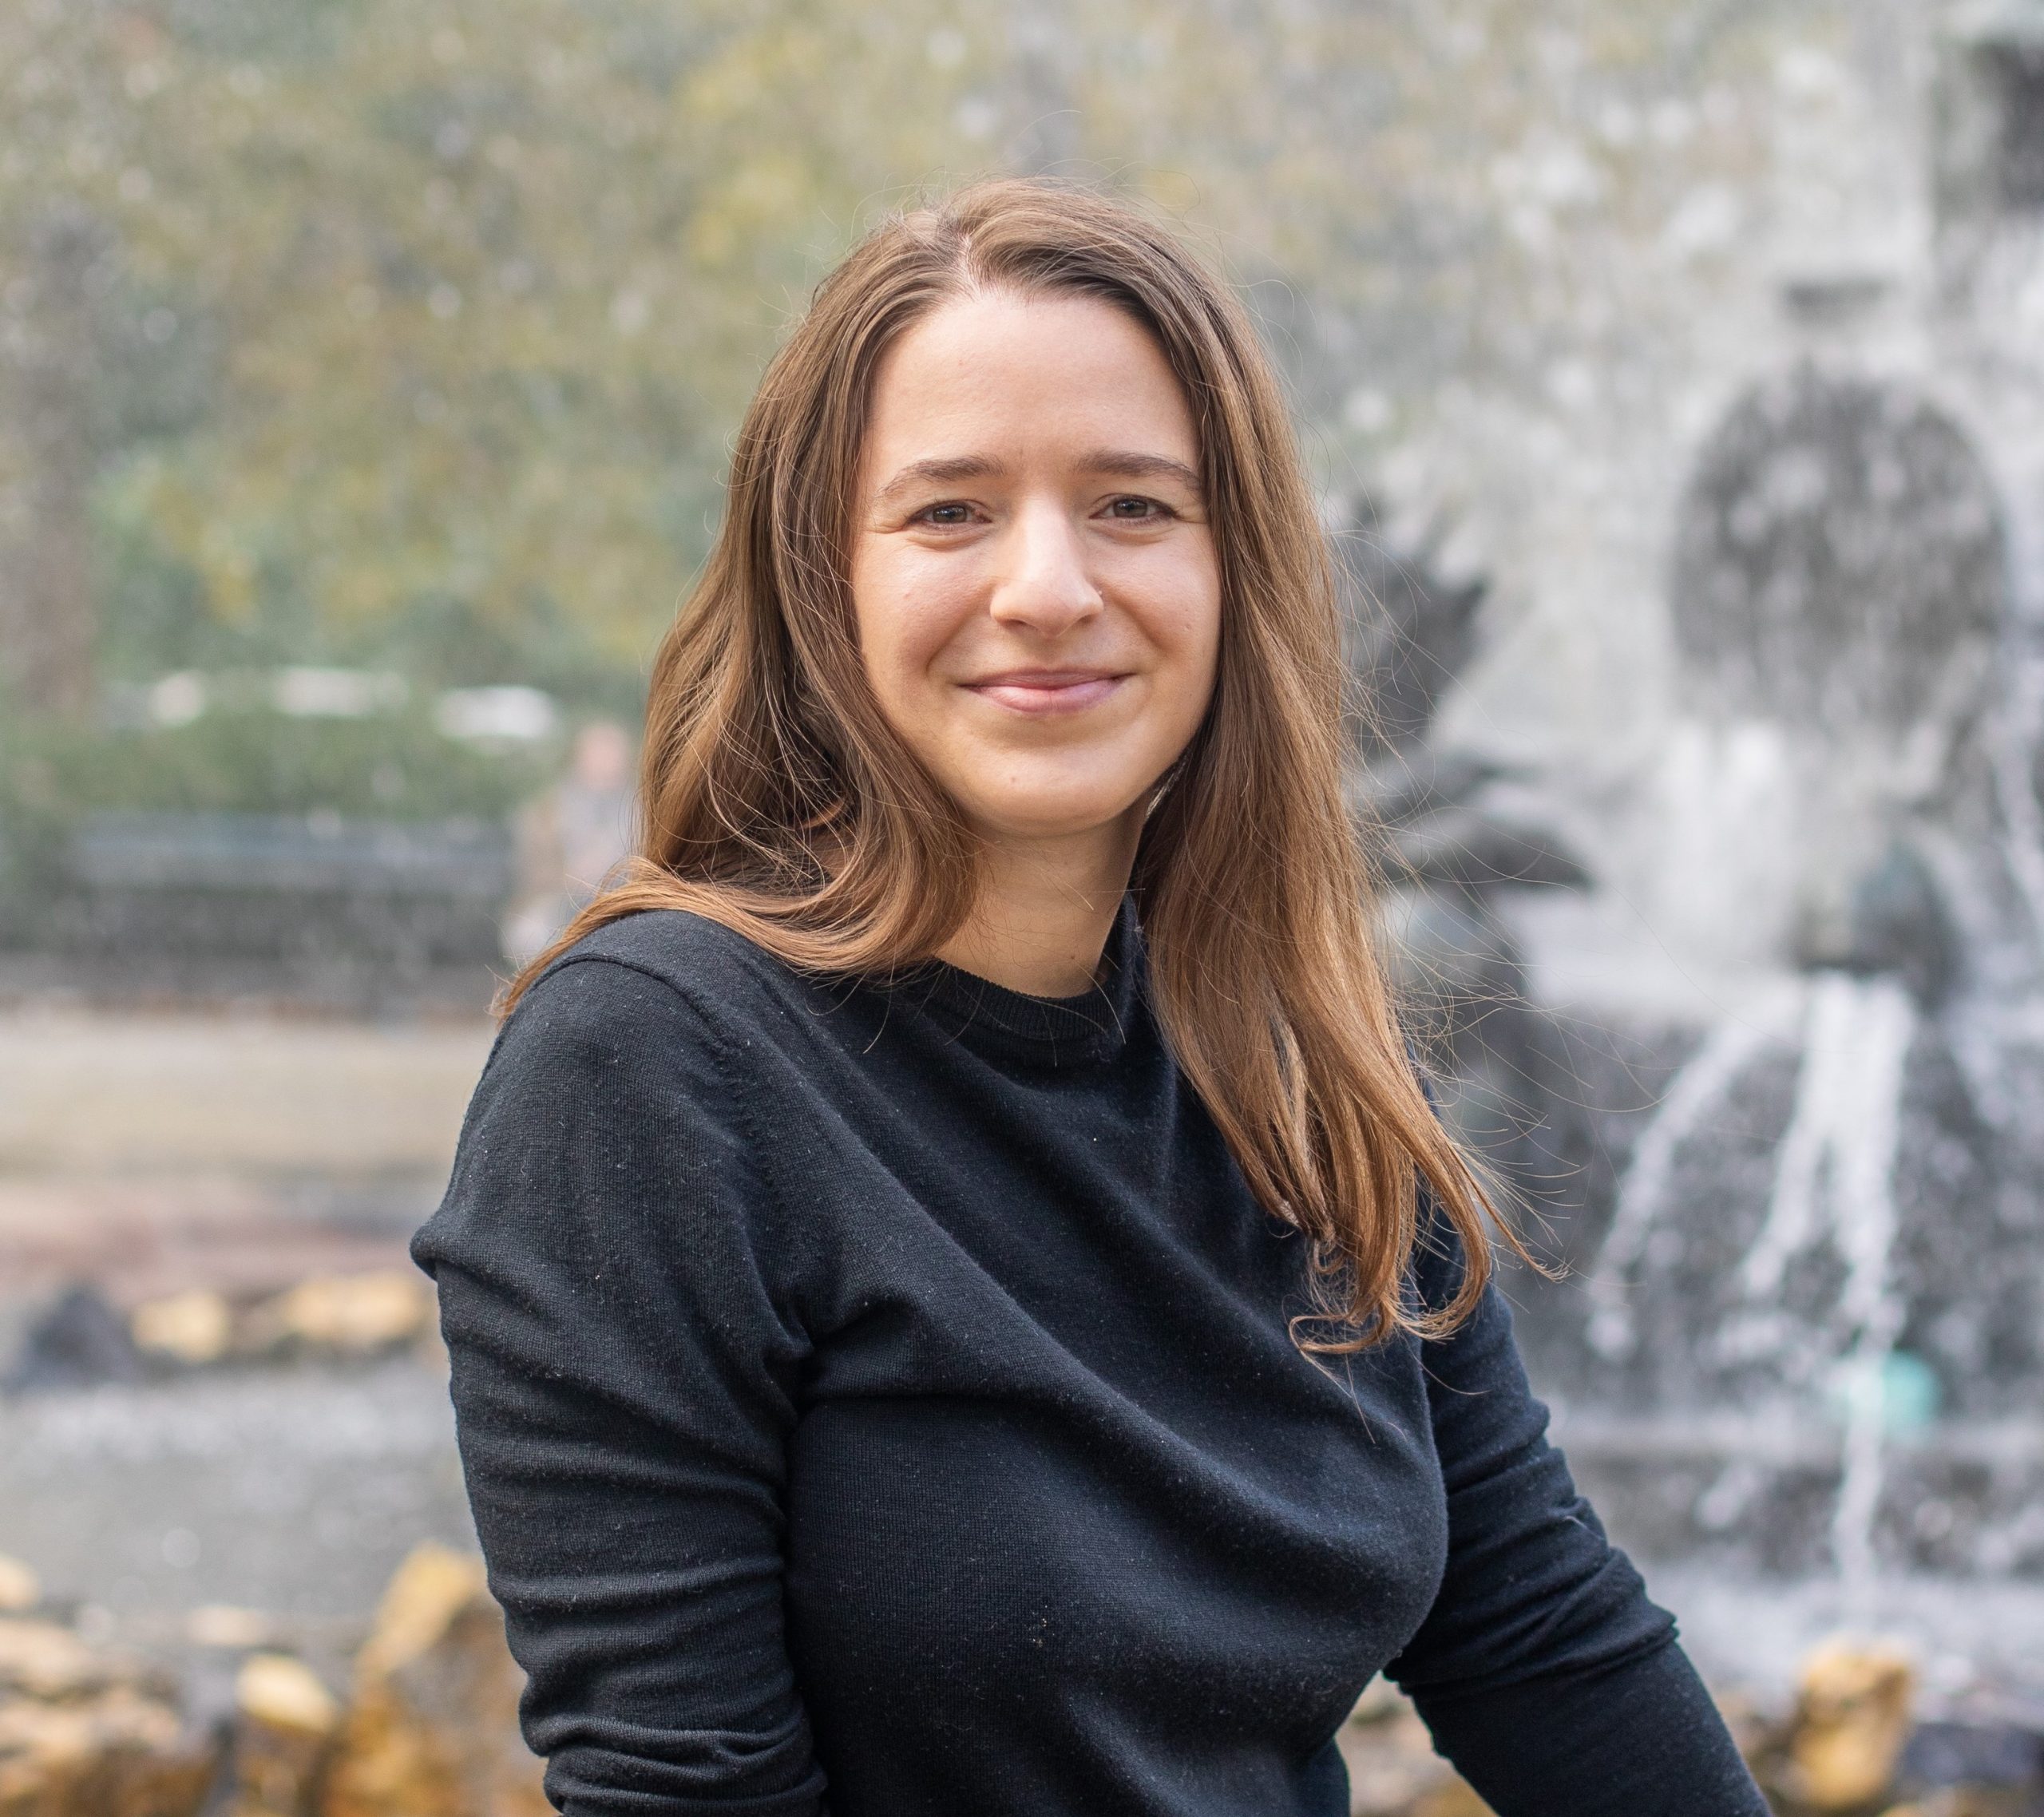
{"x": 145, "y": 1152}
{"x": 87, "y": 1094}
{"x": 294, "y": 1490}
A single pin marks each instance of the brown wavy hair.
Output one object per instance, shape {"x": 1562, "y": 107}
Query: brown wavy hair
{"x": 777, "y": 801}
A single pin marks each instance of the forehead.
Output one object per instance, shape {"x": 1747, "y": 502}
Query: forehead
{"x": 1009, "y": 379}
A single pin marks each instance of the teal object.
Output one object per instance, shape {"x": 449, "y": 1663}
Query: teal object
{"x": 1900, "y": 1385}
{"x": 1910, "y": 1392}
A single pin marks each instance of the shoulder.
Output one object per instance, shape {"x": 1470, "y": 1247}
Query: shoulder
{"x": 618, "y": 1057}
{"x": 650, "y": 974}
{"x": 642, "y": 1006}
{"x": 690, "y": 953}
{"x": 610, "y": 1132}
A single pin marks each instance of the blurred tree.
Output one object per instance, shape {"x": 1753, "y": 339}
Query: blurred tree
{"x": 412, "y": 331}
{"x": 48, "y": 292}
{"x": 483, "y": 289}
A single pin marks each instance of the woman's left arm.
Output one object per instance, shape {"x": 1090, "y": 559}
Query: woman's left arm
{"x": 1543, "y": 1672}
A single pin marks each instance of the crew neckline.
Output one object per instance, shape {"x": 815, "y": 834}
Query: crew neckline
{"x": 1086, "y": 1029}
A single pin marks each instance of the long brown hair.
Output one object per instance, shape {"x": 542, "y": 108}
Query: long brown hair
{"x": 778, "y": 802}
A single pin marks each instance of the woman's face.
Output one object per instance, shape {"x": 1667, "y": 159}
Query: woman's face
{"x": 1033, "y": 572}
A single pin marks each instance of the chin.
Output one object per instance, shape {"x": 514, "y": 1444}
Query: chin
{"x": 1057, "y": 818}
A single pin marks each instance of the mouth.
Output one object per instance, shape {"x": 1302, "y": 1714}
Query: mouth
{"x": 1043, "y": 693}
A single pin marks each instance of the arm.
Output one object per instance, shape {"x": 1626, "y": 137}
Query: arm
{"x": 1543, "y": 1672}
{"x": 608, "y": 1264}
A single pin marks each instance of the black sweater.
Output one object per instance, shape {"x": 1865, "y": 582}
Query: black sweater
{"x": 882, "y": 1399}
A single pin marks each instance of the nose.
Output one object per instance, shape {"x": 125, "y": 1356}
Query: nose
{"x": 1043, "y": 584}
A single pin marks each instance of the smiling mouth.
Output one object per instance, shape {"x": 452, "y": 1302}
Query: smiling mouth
{"x": 1043, "y": 692}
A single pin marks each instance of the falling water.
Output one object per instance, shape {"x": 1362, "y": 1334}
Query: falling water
{"x": 2013, "y": 734}
{"x": 1699, "y": 1090}
{"x": 1834, "y": 1189}
{"x": 1835, "y": 1178}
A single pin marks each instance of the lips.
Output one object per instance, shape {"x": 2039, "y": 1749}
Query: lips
{"x": 1042, "y": 693}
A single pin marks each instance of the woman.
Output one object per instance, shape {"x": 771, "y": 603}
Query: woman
{"x": 958, "y": 1304}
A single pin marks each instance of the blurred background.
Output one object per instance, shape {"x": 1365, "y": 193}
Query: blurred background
{"x": 1672, "y": 374}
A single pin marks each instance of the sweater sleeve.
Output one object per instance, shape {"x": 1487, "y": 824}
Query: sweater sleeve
{"x": 1543, "y": 1672}
{"x": 610, "y": 1268}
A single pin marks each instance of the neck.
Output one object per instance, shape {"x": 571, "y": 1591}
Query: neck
{"x": 1045, "y": 909}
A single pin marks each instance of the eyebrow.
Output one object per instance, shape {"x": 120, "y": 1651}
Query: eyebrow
{"x": 1118, "y": 464}
{"x": 936, "y": 472}
{"x": 1105, "y": 462}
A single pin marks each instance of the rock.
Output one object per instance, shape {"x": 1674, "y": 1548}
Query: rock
{"x": 1393, "y": 1770}
{"x": 1851, "y": 1720}
{"x": 1750, "y": 1732}
{"x": 282, "y": 1692}
{"x": 118, "y": 1754}
{"x": 192, "y": 1328}
{"x": 285, "y": 1721}
{"x": 1956, "y": 1769}
{"x": 354, "y": 1314}
{"x": 78, "y": 1341}
{"x": 433, "y": 1730}
{"x": 222, "y": 1624}
{"x": 85, "y": 1733}
{"x": 1392, "y": 1766}
{"x": 20, "y": 1588}
{"x": 40, "y": 1659}
{"x": 1963, "y": 1802}
{"x": 1453, "y": 1797}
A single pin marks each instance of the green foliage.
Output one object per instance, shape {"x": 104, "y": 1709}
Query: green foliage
{"x": 422, "y": 325}
{"x": 254, "y": 761}
{"x": 478, "y": 291}
{"x": 55, "y": 775}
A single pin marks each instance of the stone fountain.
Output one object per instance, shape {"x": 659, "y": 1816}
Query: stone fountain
{"x": 1796, "y": 1349}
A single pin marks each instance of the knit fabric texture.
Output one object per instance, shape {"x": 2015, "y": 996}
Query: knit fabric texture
{"x": 881, "y": 1399}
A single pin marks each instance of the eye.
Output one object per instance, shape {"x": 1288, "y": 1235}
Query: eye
{"x": 951, "y": 516}
{"x": 1133, "y": 510}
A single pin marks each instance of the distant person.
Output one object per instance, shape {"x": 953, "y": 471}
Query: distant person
{"x": 570, "y": 839}
{"x": 959, "y": 1304}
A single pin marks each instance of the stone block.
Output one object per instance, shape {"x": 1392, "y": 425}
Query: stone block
{"x": 20, "y": 1588}
{"x": 356, "y": 1315}
{"x": 190, "y": 1328}
{"x": 1851, "y": 1720}
{"x": 432, "y": 1729}
{"x": 117, "y": 1753}
{"x": 1393, "y": 1770}
{"x": 43, "y": 1661}
{"x": 285, "y": 1721}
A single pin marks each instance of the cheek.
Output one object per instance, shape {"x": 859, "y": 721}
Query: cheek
{"x": 903, "y": 616}
{"x": 1185, "y": 623}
